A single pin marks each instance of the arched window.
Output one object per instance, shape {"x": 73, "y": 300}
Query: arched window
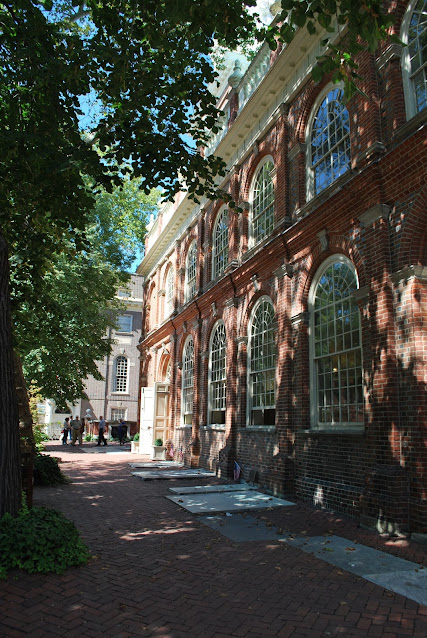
{"x": 262, "y": 365}
{"x": 328, "y": 142}
{"x": 336, "y": 353}
{"x": 217, "y": 375}
{"x": 190, "y": 272}
{"x": 188, "y": 381}
{"x": 414, "y": 57}
{"x": 220, "y": 244}
{"x": 169, "y": 293}
{"x": 262, "y": 217}
{"x": 120, "y": 382}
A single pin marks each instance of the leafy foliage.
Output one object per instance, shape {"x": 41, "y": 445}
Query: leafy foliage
{"x": 40, "y": 540}
{"x": 47, "y": 471}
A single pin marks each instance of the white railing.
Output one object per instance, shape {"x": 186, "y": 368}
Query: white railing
{"x": 254, "y": 75}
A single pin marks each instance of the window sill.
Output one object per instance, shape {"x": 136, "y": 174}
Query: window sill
{"x": 217, "y": 428}
{"x": 184, "y": 427}
{"x": 121, "y": 394}
{"x": 259, "y": 428}
{"x": 350, "y": 430}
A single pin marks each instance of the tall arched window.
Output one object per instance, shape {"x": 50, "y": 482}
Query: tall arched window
{"x": 188, "y": 381}
{"x": 328, "y": 142}
{"x": 220, "y": 244}
{"x": 169, "y": 293}
{"x": 414, "y": 57}
{"x": 262, "y": 217}
{"x": 217, "y": 375}
{"x": 336, "y": 353}
{"x": 120, "y": 382}
{"x": 262, "y": 365}
{"x": 190, "y": 272}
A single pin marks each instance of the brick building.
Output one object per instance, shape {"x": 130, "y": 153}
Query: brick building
{"x": 291, "y": 337}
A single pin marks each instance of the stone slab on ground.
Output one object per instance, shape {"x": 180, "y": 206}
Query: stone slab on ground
{"x": 397, "y": 574}
{"x": 156, "y": 464}
{"x": 206, "y": 489}
{"x": 242, "y": 528}
{"x": 223, "y": 502}
{"x": 173, "y": 474}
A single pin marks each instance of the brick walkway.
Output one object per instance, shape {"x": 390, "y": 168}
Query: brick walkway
{"x": 158, "y": 572}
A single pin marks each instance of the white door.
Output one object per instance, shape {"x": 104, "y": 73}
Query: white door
{"x": 146, "y": 421}
{"x": 161, "y": 412}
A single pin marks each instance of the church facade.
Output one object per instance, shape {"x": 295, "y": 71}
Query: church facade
{"x": 289, "y": 335}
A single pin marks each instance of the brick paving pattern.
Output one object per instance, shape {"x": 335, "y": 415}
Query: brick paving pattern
{"x": 158, "y": 572}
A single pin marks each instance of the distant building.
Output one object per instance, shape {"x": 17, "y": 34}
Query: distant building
{"x": 116, "y": 396}
{"x": 290, "y": 336}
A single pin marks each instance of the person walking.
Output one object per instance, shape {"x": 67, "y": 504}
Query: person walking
{"x": 66, "y": 429}
{"x": 76, "y": 429}
{"x": 122, "y": 431}
{"x": 101, "y": 431}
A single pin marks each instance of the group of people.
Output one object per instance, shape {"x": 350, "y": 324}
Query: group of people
{"x": 74, "y": 429}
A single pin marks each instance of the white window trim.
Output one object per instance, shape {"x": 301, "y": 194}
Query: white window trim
{"x": 210, "y": 382}
{"x": 265, "y": 160}
{"x": 249, "y": 398}
{"x": 410, "y": 102}
{"x": 126, "y": 391}
{"x": 313, "y": 377}
{"x": 189, "y": 296}
{"x": 215, "y": 274}
{"x": 310, "y": 190}
{"x": 184, "y": 351}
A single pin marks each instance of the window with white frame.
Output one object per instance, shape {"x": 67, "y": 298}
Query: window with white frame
{"x": 414, "y": 57}
{"x": 328, "y": 142}
{"x": 262, "y": 365}
{"x": 188, "y": 381}
{"x": 262, "y": 216}
{"x": 336, "y": 352}
{"x": 217, "y": 375}
{"x": 120, "y": 374}
{"x": 124, "y": 323}
{"x": 169, "y": 293}
{"x": 118, "y": 413}
{"x": 220, "y": 244}
{"x": 190, "y": 272}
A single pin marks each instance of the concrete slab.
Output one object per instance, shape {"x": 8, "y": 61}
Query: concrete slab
{"x": 173, "y": 474}
{"x": 391, "y": 572}
{"x": 156, "y": 464}
{"x": 242, "y": 528}
{"x": 206, "y": 489}
{"x": 235, "y": 501}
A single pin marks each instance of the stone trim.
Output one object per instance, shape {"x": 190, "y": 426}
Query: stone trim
{"x": 302, "y": 318}
{"x": 323, "y": 239}
{"x": 298, "y": 148}
{"x": 410, "y": 272}
{"x": 361, "y": 294}
{"x": 374, "y": 214}
{"x": 393, "y": 53}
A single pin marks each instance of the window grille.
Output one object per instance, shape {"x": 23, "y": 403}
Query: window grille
{"x": 217, "y": 385}
{"x": 337, "y": 348}
{"x": 263, "y": 204}
{"x": 121, "y": 374}
{"x": 262, "y": 365}
{"x": 220, "y": 244}
{"x": 330, "y": 141}
{"x": 118, "y": 413}
{"x": 188, "y": 381}
{"x": 169, "y": 292}
{"x": 191, "y": 271}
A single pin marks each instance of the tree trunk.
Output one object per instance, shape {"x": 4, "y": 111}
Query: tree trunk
{"x": 26, "y": 434}
{"x": 10, "y": 462}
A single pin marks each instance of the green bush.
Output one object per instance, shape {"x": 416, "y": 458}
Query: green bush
{"x": 40, "y": 540}
{"x": 39, "y": 437}
{"x": 136, "y": 437}
{"x": 89, "y": 437}
{"x": 47, "y": 472}
{"x": 158, "y": 442}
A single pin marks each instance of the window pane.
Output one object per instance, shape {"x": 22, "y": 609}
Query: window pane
{"x": 191, "y": 271}
{"x": 417, "y": 51}
{"x": 120, "y": 377}
{"x": 188, "y": 377}
{"x": 124, "y": 323}
{"x": 263, "y": 204}
{"x": 263, "y": 358}
{"x": 220, "y": 245}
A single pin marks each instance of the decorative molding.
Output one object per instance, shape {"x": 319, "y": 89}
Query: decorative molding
{"x": 232, "y": 302}
{"x": 393, "y": 53}
{"x": 361, "y": 294}
{"x": 377, "y": 148}
{"x": 184, "y": 327}
{"x": 298, "y": 148}
{"x": 181, "y": 271}
{"x": 281, "y": 111}
{"x": 245, "y": 205}
{"x": 204, "y": 355}
{"x": 301, "y": 319}
{"x": 254, "y": 280}
{"x": 284, "y": 269}
{"x": 207, "y": 246}
{"x": 214, "y": 309}
{"x": 241, "y": 341}
{"x": 374, "y": 214}
{"x": 179, "y": 365}
{"x": 255, "y": 149}
{"x": 197, "y": 323}
{"x": 161, "y": 293}
{"x": 324, "y": 239}
{"x": 410, "y": 272}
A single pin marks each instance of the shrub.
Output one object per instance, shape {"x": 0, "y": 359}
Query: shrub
{"x": 47, "y": 472}
{"x": 136, "y": 437}
{"x": 40, "y": 540}
{"x": 158, "y": 442}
